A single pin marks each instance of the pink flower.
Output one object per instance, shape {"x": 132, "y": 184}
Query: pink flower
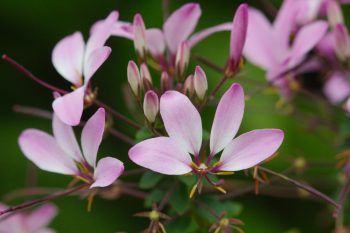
{"x": 337, "y": 88}
{"x": 176, "y": 29}
{"x": 34, "y": 222}
{"x": 172, "y": 155}
{"x": 60, "y": 153}
{"x": 269, "y": 47}
{"x": 73, "y": 59}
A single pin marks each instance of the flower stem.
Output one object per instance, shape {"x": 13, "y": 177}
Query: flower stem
{"x": 305, "y": 187}
{"x": 208, "y": 63}
{"x": 38, "y": 201}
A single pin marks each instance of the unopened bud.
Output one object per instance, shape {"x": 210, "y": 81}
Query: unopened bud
{"x": 139, "y": 36}
{"x": 165, "y": 82}
{"x": 200, "y": 83}
{"x": 134, "y": 78}
{"x": 189, "y": 86}
{"x": 182, "y": 59}
{"x": 145, "y": 74}
{"x": 334, "y": 13}
{"x": 342, "y": 42}
{"x": 151, "y": 106}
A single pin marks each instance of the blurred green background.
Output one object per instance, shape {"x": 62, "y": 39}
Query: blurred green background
{"x": 29, "y": 31}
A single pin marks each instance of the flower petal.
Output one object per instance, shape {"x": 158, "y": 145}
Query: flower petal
{"x": 95, "y": 60}
{"x": 337, "y": 88}
{"x": 69, "y": 108}
{"x": 67, "y": 58}
{"x": 65, "y": 138}
{"x": 182, "y": 121}
{"x": 228, "y": 117}
{"x": 161, "y": 155}
{"x": 250, "y": 149}
{"x": 259, "y": 46}
{"x": 43, "y": 150}
{"x": 92, "y": 135}
{"x": 306, "y": 39}
{"x": 41, "y": 217}
{"x": 180, "y": 25}
{"x": 155, "y": 41}
{"x": 119, "y": 28}
{"x": 107, "y": 171}
{"x": 197, "y": 37}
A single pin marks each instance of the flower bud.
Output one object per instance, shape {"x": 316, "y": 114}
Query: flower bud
{"x": 334, "y": 13}
{"x": 342, "y": 42}
{"x": 200, "y": 83}
{"x": 182, "y": 59}
{"x": 238, "y": 38}
{"x": 165, "y": 83}
{"x": 145, "y": 74}
{"x": 189, "y": 86}
{"x": 134, "y": 78}
{"x": 151, "y": 106}
{"x": 139, "y": 36}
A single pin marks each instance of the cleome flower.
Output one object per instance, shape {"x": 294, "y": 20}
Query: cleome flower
{"x": 73, "y": 59}
{"x": 34, "y": 222}
{"x": 61, "y": 153}
{"x": 172, "y": 155}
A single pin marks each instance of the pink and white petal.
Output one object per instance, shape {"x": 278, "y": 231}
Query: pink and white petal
{"x": 95, "y": 60}
{"x": 238, "y": 34}
{"x": 119, "y": 29}
{"x": 250, "y": 149}
{"x": 259, "y": 46}
{"x": 182, "y": 121}
{"x": 155, "y": 41}
{"x": 197, "y": 37}
{"x": 306, "y": 39}
{"x": 337, "y": 88}
{"x": 43, "y": 150}
{"x": 41, "y": 217}
{"x": 65, "y": 138}
{"x": 180, "y": 25}
{"x": 69, "y": 108}
{"x": 11, "y": 223}
{"x": 161, "y": 154}
{"x": 67, "y": 58}
{"x": 92, "y": 135}
{"x": 100, "y": 34}
{"x": 107, "y": 171}
{"x": 46, "y": 230}
{"x": 228, "y": 118}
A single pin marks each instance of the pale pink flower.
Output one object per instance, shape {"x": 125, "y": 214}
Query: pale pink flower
{"x": 61, "y": 153}
{"x": 77, "y": 62}
{"x": 172, "y": 155}
{"x": 36, "y": 221}
{"x": 269, "y": 47}
{"x": 337, "y": 87}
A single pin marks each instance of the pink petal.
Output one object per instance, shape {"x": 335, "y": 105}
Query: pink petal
{"x": 69, "y": 108}
{"x": 41, "y": 217}
{"x": 155, "y": 41}
{"x": 107, "y": 171}
{"x": 67, "y": 58}
{"x": 92, "y": 135}
{"x": 180, "y": 25}
{"x": 182, "y": 121}
{"x": 337, "y": 88}
{"x": 347, "y": 105}
{"x": 119, "y": 28}
{"x": 259, "y": 46}
{"x": 43, "y": 150}
{"x": 250, "y": 149}
{"x": 306, "y": 39}
{"x": 161, "y": 155}
{"x": 228, "y": 117}
{"x": 95, "y": 60}
{"x": 100, "y": 34}
{"x": 197, "y": 37}
{"x": 65, "y": 138}
{"x": 238, "y": 33}
{"x": 11, "y": 223}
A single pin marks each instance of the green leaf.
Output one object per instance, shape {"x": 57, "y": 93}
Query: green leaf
{"x": 154, "y": 196}
{"x": 179, "y": 200}
{"x": 183, "y": 225}
{"x": 143, "y": 134}
{"x": 149, "y": 180}
{"x": 188, "y": 180}
{"x": 206, "y": 135}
